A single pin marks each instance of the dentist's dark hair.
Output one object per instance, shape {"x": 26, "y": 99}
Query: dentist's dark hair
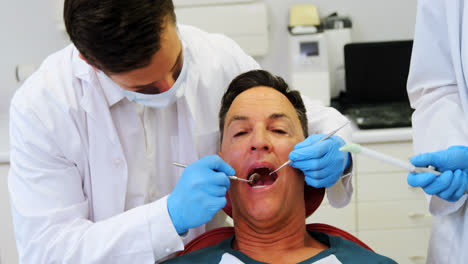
{"x": 117, "y": 36}
{"x": 256, "y": 78}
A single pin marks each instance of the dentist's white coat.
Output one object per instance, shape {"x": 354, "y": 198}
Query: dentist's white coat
{"x": 437, "y": 87}
{"x": 69, "y": 169}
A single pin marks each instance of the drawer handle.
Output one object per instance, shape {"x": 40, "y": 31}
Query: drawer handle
{"x": 413, "y": 258}
{"x": 418, "y": 215}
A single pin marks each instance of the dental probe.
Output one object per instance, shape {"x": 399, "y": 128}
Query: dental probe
{"x": 325, "y": 137}
{"x": 252, "y": 178}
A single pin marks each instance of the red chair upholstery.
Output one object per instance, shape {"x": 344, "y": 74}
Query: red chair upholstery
{"x": 207, "y": 239}
{"x": 217, "y": 235}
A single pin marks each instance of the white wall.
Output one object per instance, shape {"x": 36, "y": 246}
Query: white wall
{"x": 373, "y": 20}
{"x": 29, "y": 34}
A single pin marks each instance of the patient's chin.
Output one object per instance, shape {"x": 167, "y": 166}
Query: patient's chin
{"x": 263, "y": 211}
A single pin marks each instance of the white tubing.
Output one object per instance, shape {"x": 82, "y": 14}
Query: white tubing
{"x": 383, "y": 157}
{"x": 399, "y": 163}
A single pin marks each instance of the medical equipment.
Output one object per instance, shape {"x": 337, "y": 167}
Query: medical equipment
{"x": 325, "y": 137}
{"x": 303, "y": 16}
{"x": 308, "y": 54}
{"x": 252, "y": 179}
{"x": 376, "y": 77}
{"x": 358, "y": 149}
{"x": 337, "y": 30}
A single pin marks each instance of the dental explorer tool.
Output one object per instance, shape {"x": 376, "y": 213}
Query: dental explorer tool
{"x": 253, "y": 178}
{"x": 325, "y": 137}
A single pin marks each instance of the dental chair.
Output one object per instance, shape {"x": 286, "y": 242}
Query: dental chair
{"x": 313, "y": 198}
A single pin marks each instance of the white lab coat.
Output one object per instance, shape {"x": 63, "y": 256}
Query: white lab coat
{"x": 437, "y": 88}
{"x": 68, "y": 176}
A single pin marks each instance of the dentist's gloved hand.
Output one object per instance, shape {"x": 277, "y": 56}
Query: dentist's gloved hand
{"x": 199, "y": 193}
{"x": 453, "y": 181}
{"x": 322, "y": 163}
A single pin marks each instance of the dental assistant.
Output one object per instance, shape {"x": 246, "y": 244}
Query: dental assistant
{"x": 437, "y": 88}
{"x": 95, "y": 130}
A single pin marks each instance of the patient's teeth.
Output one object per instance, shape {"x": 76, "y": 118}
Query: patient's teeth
{"x": 258, "y": 186}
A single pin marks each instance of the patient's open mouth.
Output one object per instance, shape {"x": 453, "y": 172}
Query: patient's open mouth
{"x": 262, "y": 177}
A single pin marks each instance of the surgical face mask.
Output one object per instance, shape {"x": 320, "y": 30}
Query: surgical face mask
{"x": 166, "y": 98}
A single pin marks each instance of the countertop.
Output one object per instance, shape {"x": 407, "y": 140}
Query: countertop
{"x": 358, "y": 136}
{"x": 381, "y": 135}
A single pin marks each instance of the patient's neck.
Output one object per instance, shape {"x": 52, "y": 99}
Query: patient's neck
{"x": 282, "y": 240}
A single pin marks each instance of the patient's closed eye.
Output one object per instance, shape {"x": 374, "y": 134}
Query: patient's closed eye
{"x": 240, "y": 133}
{"x": 279, "y": 131}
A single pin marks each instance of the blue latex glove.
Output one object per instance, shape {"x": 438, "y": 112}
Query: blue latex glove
{"x": 452, "y": 183}
{"x": 199, "y": 193}
{"x": 322, "y": 163}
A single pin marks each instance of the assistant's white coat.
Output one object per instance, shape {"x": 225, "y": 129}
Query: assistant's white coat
{"x": 437, "y": 87}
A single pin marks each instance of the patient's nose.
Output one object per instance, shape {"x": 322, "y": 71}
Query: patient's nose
{"x": 260, "y": 141}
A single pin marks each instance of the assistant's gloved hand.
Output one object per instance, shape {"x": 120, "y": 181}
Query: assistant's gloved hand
{"x": 199, "y": 193}
{"x": 452, "y": 183}
{"x": 322, "y": 163}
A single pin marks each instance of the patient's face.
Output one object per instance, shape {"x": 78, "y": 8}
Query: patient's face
{"x": 260, "y": 131}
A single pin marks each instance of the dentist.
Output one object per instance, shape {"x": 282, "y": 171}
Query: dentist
{"x": 437, "y": 88}
{"x": 95, "y": 130}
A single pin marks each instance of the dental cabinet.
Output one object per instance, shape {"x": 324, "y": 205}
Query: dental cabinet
{"x": 385, "y": 212}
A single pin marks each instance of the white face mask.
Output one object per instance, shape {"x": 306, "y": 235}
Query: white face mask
{"x": 166, "y": 98}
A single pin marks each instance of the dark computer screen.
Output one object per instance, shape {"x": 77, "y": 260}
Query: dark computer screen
{"x": 376, "y": 72}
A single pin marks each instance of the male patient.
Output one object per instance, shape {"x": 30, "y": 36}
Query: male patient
{"x": 261, "y": 121}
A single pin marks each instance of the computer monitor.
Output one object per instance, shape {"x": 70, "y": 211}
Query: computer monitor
{"x": 376, "y": 72}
